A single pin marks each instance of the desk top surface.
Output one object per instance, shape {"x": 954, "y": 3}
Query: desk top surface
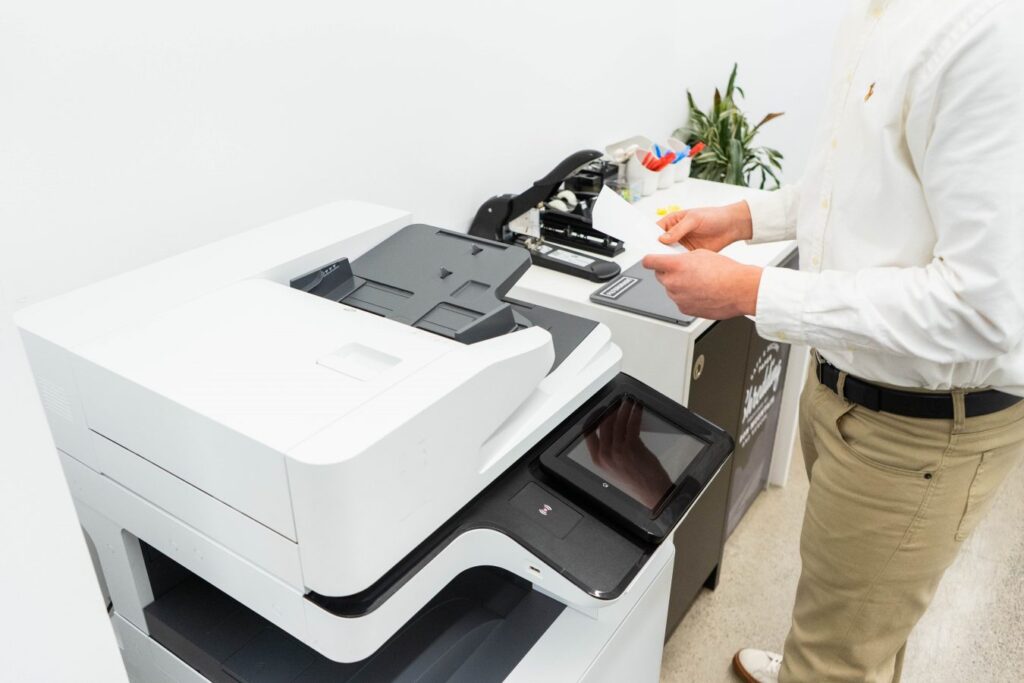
{"x": 690, "y": 193}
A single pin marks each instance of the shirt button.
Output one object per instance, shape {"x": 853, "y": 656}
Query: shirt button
{"x": 835, "y": 142}
{"x": 824, "y": 203}
{"x": 816, "y": 261}
{"x": 782, "y": 336}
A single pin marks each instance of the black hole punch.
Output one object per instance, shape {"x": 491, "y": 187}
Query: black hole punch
{"x": 476, "y": 249}
{"x": 927, "y": 475}
{"x": 445, "y": 273}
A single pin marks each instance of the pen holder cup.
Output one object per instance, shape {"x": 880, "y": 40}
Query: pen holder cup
{"x": 635, "y": 170}
{"x": 667, "y": 176}
{"x": 648, "y": 181}
{"x": 628, "y": 190}
{"x": 682, "y": 169}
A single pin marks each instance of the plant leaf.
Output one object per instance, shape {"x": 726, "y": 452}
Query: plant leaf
{"x": 729, "y": 155}
{"x": 734, "y": 175}
{"x": 766, "y": 119}
{"x": 732, "y": 80}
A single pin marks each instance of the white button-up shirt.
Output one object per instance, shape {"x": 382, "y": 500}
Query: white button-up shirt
{"x": 910, "y": 216}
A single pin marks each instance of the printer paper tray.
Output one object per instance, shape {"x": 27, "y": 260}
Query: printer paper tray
{"x": 475, "y": 630}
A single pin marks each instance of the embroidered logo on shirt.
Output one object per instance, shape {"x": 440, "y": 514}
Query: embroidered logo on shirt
{"x": 871, "y": 91}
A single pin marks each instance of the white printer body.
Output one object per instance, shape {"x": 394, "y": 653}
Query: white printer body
{"x": 291, "y": 450}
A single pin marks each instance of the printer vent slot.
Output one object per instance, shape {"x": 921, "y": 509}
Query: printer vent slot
{"x": 56, "y": 400}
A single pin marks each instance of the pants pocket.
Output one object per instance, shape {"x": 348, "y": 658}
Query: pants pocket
{"x": 977, "y": 498}
{"x": 885, "y": 444}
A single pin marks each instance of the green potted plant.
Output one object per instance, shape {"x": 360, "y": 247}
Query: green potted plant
{"x": 729, "y": 155}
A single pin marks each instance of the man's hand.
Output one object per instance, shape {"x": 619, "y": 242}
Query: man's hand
{"x": 712, "y": 228}
{"x": 707, "y": 285}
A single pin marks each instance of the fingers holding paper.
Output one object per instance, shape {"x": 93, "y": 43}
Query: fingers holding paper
{"x": 679, "y": 227}
{"x": 705, "y": 284}
{"x": 712, "y": 228}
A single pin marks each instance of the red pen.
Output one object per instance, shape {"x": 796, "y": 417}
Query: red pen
{"x": 697, "y": 149}
{"x": 664, "y": 161}
{"x": 648, "y": 158}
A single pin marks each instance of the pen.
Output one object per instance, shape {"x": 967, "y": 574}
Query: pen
{"x": 664, "y": 161}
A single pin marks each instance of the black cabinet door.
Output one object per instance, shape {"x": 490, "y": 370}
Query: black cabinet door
{"x": 736, "y": 382}
{"x": 716, "y": 387}
{"x": 717, "y": 372}
{"x": 758, "y": 420}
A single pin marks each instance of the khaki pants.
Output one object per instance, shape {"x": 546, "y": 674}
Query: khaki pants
{"x": 891, "y": 500}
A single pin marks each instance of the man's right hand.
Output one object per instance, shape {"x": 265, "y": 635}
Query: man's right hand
{"x": 712, "y": 228}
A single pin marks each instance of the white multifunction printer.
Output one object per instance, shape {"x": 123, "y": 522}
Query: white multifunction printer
{"x": 330, "y": 449}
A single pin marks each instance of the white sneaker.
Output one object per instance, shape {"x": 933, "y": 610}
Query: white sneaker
{"x": 757, "y": 666}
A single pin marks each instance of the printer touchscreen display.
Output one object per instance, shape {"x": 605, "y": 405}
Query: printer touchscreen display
{"x": 635, "y": 450}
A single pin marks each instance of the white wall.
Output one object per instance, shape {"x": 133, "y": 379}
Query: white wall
{"x": 136, "y": 130}
{"x": 130, "y": 131}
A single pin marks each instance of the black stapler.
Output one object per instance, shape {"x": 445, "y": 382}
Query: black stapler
{"x": 552, "y": 219}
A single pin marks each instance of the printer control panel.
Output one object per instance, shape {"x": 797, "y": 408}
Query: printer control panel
{"x": 636, "y": 456}
{"x": 546, "y": 509}
{"x": 595, "y": 498}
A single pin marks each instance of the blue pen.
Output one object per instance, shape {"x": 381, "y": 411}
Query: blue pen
{"x": 685, "y": 152}
{"x": 657, "y": 151}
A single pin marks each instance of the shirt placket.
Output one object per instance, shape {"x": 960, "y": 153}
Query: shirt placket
{"x": 876, "y": 8}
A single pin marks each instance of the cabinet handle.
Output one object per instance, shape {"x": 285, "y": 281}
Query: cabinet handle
{"x": 698, "y": 367}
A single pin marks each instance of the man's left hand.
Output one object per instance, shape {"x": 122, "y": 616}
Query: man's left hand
{"x": 705, "y": 284}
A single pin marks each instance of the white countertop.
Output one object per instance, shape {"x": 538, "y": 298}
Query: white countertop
{"x": 543, "y": 285}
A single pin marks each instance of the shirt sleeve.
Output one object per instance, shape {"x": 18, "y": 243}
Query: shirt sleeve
{"x": 773, "y": 214}
{"x": 967, "y": 303}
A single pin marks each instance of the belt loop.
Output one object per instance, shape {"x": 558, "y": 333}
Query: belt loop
{"x": 959, "y": 411}
{"x": 841, "y": 385}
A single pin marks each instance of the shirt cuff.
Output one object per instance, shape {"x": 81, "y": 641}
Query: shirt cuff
{"x": 780, "y": 305}
{"x": 773, "y": 215}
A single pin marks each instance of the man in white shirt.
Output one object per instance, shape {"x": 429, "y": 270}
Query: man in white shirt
{"x": 910, "y": 222}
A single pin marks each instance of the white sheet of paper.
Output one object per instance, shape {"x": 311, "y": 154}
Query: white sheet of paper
{"x": 614, "y": 216}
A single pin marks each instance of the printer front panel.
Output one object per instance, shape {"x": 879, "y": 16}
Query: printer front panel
{"x": 358, "y": 516}
{"x": 216, "y": 390}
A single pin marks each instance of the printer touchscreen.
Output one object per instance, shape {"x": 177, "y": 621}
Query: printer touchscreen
{"x": 636, "y": 451}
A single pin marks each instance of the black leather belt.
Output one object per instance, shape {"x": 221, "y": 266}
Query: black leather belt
{"x": 938, "y": 406}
